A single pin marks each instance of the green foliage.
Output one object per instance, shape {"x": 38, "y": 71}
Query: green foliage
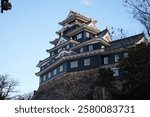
{"x": 137, "y": 73}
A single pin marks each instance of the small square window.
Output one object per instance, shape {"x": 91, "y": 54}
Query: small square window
{"x": 74, "y": 64}
{"x": 105, "y": 60}
{"x": 87, "y": 34}
{"x": 90, "y": 47}
{"x": 49, "y": 74}
{"x": 81, "y": 49}
{"x": 68, "y": 46}
{"x": 86, "y": 62}
{"x": 79, "y": 36}
{"x": 55, "y": 71}
{"x": 116, "y": 58}
{"x": 61, "y": 68}
{"x": 41, "y": 79}
{"x": 126, "y": 55}
{"x": 115, "y": 72}
{"x": 44, "y": 77}
{"x": 52, "y": 53}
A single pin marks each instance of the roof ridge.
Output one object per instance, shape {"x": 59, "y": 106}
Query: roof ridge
{"x": 136, "y": 35}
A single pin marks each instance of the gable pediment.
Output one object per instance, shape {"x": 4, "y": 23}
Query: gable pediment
{"x": 71, "y": 13}
{"x": 61, "y": 41}
{"x": 92, "y": 25}
{"x": 107, "y": 37}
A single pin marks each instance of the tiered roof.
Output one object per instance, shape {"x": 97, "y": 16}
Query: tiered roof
{"x": 128, "y": 41}
{"x": 71, "y": 41}
{"x": 75, "y": 16}
{"x": 80, "y": 21}
{"x": 74, "y": 24}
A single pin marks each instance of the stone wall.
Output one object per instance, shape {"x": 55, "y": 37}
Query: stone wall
{"x": 72, "y": 86}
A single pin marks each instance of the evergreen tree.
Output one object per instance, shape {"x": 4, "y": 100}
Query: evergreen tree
{"x": 137, "y": 72}
{"x": 105, "y": 77}
{"x": 105, "y": 81}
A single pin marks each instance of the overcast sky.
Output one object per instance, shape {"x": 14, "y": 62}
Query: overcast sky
{"x": 25, "y": 31}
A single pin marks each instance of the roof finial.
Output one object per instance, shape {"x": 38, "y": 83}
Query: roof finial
{"x": 61, "y": 34}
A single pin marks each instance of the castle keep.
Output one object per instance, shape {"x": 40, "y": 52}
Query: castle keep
{"x": 82, "y": 46}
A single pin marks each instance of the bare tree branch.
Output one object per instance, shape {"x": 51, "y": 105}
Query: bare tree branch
{"x": 140, "y": 9}
{"x": 27, "y": 96}
{"x": 7, "y": 87}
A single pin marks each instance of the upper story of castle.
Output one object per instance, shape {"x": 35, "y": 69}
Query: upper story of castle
{"x": 77, "y": 29}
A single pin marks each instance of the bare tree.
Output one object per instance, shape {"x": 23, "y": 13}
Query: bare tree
{"x": 27, "y": 96}
{"x": 7, "y": 87}
{"x": 140, "y": 10}
{"x": 118, "y": 33}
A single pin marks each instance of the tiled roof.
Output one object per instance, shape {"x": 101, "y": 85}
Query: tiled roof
{"x": 74, "y": 16}
{"x": 56, "y": 40}
{"x": 128, "y": 41}
{"x": 102, "y": 33}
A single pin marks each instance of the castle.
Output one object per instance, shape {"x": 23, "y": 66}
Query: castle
{"x": 82, "y": 46}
